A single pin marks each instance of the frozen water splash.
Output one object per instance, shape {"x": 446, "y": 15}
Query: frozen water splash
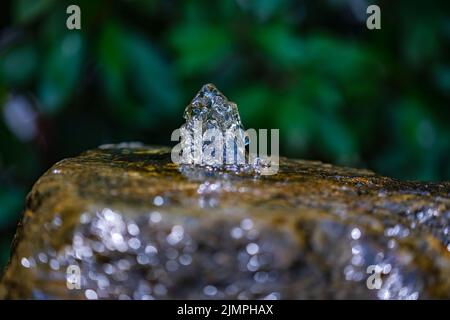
{"x": 212, "y": 108}
{"x": 213, "y": 125}
{"x": 213, "y": 140}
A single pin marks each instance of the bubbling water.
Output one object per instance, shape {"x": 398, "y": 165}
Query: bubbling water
{"x": 213, "y": 137}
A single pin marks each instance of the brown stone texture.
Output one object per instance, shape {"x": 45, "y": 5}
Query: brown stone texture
{"x": 138, "y": 226}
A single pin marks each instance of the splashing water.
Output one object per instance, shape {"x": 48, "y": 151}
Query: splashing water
{"x": 211, "y": 111}
{"x": 209, "y": 117}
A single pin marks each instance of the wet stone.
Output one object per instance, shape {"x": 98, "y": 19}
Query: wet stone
{"x": 135, "y": 226}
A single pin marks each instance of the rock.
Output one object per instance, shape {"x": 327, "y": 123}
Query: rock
{"x": 138, "y": 227}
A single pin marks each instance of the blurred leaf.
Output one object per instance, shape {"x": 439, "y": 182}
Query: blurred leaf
{"x": 263, "y": 9}
{"x": 61, "y": 72}
{"x": 4, "y": 251}
{"x": 320, "y": 93}
{"x": 416, "y": 147}
{"x": 18, "y": 159}
{"x": 152, "y": 76}
{"x": 200, "y": 48}
{"x": 53, "y": 28}
{"x": 415, "y": 127}
{"x": 420, "y": 44}
{"x": 113, "y": 67}
{"x": 112, "y": 59}
{"x": 297, "y": 122}
{"x": 146, "y": 7}
{"x": 11, "y": 203}
{"x": 337, "y": 140}
{"x": 128, "y": 60}
{"x": 27, "y": 10}
{"x": 251, "y": 101}
{"x": 12, "y": 200}
{"x": 342, "y": 60}
{"x": 442, "y": 78}
{"x": 280, "y": 44}
{"x": 18, "y": 65}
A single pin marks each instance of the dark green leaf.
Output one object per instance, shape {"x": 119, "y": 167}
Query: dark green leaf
{"x": 27, "y": 10}
{"x": 61, "y": 72}
{"x": 18, "y": 65}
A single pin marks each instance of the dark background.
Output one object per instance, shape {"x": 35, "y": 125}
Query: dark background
{"x": 338, "y": 92}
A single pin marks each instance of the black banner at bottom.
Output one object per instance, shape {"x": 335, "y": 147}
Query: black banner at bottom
{"x": 213, "y": 309}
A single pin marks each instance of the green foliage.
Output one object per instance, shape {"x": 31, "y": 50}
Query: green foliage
{"x": 18, "y": 65}
{"x": 337, "y": 91}
{"x": 138, "y": 82}
{"x": 56, "y": 83}
{"x": 11, "y": 200}
{"x": 25, "y": 11}
{"x": 201, "y": 47}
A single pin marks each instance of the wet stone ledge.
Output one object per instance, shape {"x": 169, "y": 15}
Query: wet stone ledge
{"x": 139, "y": 227}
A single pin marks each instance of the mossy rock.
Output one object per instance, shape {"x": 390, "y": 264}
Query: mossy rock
{"x": 138, "y": 226}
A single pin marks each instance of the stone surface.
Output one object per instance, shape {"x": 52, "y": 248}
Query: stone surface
{"x": 139, "y": 227}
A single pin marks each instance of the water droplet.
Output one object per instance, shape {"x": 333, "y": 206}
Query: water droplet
{"x": 158, "y": 201}
{"x": 356, "y": 233}
{"x": 91, "y": 294}
{"x": 185, "y": 259}
{"x": 247, "y": 224}
{"x": 25, "y": 263}
{"x": 155, "y": 217}
{"x": 252, "y": 248}
{"x": 133, "y": 229}
{"x": 236, "y": 233}
{"x": 210, "y": 290}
